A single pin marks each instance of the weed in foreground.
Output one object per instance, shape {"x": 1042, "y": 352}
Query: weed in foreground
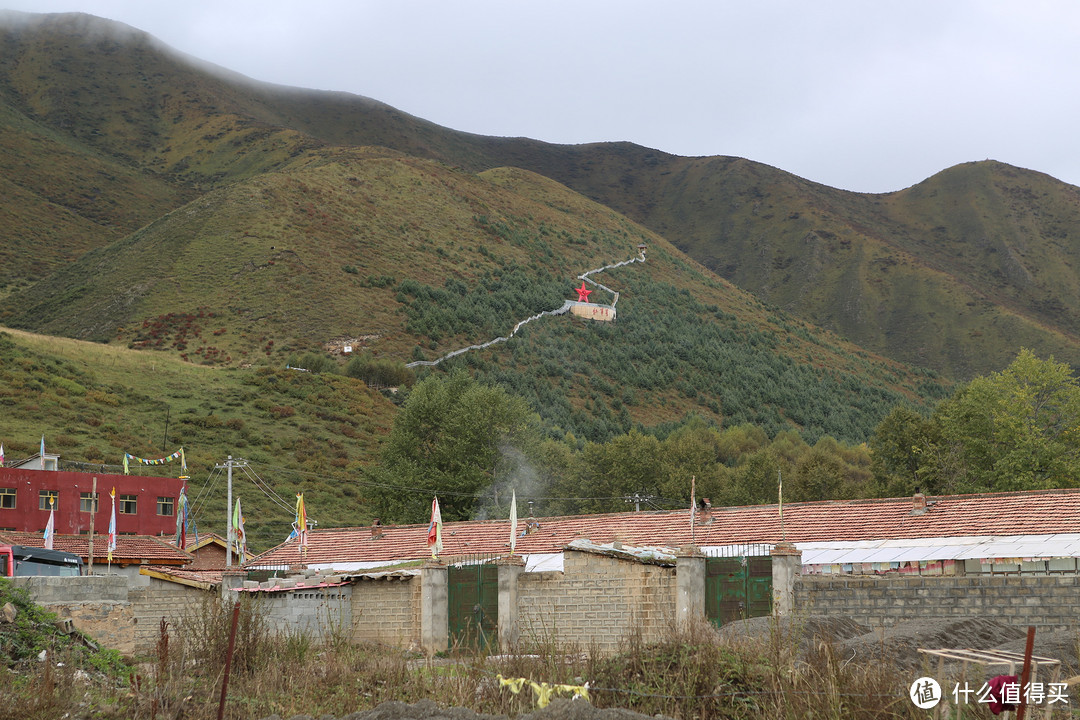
{"x": 689, "y": 673}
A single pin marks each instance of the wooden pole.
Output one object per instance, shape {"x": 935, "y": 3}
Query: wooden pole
{"x": 93, "y": 512}
{"x": 228, "y": 660}
{"x": 1025, "y": 674}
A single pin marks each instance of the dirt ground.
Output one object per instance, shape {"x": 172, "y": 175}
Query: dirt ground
{"x": 852, "y": 642}
{"x": 900, "y": 643}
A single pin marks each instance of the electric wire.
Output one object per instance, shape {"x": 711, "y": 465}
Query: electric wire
{"x": 448, "y": 493}
{"x": 266, "y": 489}
{"x": 196, "y": 506}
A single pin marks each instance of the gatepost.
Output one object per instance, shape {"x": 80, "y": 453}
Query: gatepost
{"x": 509, "y": 569}
{"x": 786, "y": 566}
{"x": 231, "y": 580}
{"x": 689, "y": 587}
{"x": 434, "y": 618}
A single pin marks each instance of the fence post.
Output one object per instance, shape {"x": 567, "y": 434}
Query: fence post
{"x": 786, "y": 567}
{"x": 434, "y": 618}
{"x": 689, "y": 587}
{"x": 509, "y": 569}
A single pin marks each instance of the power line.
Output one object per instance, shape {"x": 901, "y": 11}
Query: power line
{"x": 266, "y": 489}
{"x": 450, "y": 493}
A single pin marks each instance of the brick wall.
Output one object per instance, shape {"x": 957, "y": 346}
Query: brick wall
{"x": 387, "y": 611}
{"x": 597, "y": 601}
{"x": 1050, "y": 601}
{"x": 209, "y": 557}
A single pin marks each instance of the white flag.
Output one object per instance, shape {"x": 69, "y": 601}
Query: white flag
{"x": 513, "y": 522}
{"x": 50, "y": 528}
{"x": 434, "y": 538}
{"x": 112, "y": 525}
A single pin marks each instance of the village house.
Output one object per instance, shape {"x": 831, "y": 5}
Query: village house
{"x": 997, "y": 533}
{"x": 145, "y": 505}
{"x": 596, "y": 580}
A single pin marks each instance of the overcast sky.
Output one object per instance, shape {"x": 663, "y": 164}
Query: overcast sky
{"x": 866, "y": 96}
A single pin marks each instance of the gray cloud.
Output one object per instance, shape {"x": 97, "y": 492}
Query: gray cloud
{"x": 864, "y": 96}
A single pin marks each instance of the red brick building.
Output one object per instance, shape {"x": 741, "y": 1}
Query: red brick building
{"x": 145, "y": 505}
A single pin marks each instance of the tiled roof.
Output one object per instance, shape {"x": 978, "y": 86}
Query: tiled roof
{"x": 130, "y": 549}
{"x": 1001, "y": 514}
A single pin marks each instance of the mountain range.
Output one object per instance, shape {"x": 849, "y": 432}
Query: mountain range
{"x": 162, "y": 207}
{"x": 105, "y": 130}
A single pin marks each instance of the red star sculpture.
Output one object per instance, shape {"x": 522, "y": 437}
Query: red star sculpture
{"x": 582, "y": 293}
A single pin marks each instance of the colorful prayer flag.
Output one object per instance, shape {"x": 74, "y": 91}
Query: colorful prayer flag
{"x": 112, "y": 525}
{"x": 434, "y": 538}
{"x": 41, "y": 453}
{"x": 181, "y": 519}
{"x": 301, "y": 522}
{"x": 1, "y": 454}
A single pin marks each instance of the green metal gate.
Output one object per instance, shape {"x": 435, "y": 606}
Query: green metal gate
{"x": 473, "y": 604}
{"x": 737, "y": 588}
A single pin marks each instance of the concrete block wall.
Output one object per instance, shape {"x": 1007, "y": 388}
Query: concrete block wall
{"x": 158, "y": 599}
{"x": 1048, "y": 601}
{"x": 596, "y": 602}
{"x": 316, "y": 612}
{"x": 387, "y": 611}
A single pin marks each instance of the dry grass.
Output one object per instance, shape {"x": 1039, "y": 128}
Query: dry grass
{"x": 689, "y": 674}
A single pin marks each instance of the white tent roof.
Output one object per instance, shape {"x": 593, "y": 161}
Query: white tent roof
{"x": 1061, "y": 545}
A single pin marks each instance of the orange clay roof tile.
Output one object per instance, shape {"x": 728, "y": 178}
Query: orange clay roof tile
{"x": 1002, "y": 514}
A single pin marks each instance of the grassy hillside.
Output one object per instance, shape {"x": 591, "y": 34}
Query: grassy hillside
{"x": 301, "y": 432}
{"x": 411, "y": 259}
{"x": 955, "y": 273}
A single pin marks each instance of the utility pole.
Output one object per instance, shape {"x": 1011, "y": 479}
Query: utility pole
{"x": 93, "y": 512}
{"x": 229, "y": 531}
{"x": 165, "y": 436}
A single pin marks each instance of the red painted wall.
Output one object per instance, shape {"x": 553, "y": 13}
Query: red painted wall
{"x": 68, "y": 486}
